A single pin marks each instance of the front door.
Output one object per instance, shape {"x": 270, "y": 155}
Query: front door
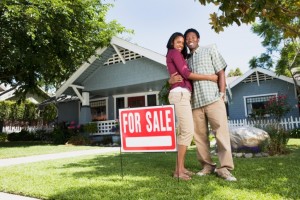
{"x": 134, "y": 102}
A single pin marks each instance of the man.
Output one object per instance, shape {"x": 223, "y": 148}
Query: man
{"x": 209, "y": 107}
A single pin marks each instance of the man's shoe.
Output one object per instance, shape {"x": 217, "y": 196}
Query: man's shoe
{"x": 225, "y": 174}
{"x": 205, "y": 171}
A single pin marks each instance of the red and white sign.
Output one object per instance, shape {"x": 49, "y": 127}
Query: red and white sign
{"x": 148, "y": 129}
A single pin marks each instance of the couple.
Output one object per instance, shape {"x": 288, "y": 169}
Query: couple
{"x": 198, "y": 103}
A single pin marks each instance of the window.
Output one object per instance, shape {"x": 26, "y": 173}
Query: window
{"x": 151, "y": 99}
{"x": 256, "y": 103}
{"x": 134, "y": 101}
{"x": 120, "y": 103}
{"x": 98, "y": 110}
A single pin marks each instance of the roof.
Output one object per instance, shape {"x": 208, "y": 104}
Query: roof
{"x": 257, "y": 75}
{"x": 119, "y": 50}
{"x": 8, "y": 93}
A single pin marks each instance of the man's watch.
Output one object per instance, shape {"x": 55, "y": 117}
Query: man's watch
{"x": 222, "y": 94}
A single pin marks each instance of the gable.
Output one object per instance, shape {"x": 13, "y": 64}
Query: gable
{"x": 119, "y": 53}
{"x": 257, "y": 75}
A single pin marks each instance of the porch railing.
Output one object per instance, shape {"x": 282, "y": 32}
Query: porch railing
{"x": 105, "y": 127}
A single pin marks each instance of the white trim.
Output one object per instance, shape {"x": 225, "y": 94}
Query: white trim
{"x": 257, "y": 77}
{"x": 77, "y": 93}
{"x": 119, "y": 53}
{"x": 81, "y": 69}
{"x": 140, "y": 50}
{"x": 265, "y": 71}
{"x": 106, "y": 104}
{"x": 125, "y": 96}
{"x": 258, "y": 95}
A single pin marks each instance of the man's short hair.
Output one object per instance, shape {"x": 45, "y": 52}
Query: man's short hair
{"x": 191, "y": 30}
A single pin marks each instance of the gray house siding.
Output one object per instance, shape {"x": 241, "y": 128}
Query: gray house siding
{"x": 236, "y": 105}
{"x": 133, "y": 72}
{"x": 68, "y": 111}
{"x": 111, "y": 106}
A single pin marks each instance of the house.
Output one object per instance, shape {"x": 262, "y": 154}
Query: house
{"x": 126, "y": 75}
{"x": 8, "y": 93}
{"x": 121, "y": 75}
{"x": 254, "y": 88}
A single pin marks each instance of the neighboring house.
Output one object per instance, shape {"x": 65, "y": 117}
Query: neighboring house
{"x": 122, "y": 75}
{"x": 253, "y": 89}
{"x": 126, "y": 75}
{"x": 8, "y": 93}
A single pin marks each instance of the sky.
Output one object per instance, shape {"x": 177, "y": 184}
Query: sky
{"x": 155, "y": 21}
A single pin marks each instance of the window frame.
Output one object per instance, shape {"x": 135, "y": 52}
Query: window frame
{"x": 125, "y": 96}
{"x": 254, "y": 96}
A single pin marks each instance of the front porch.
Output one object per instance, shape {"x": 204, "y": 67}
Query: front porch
{"x": 106, "y": 133}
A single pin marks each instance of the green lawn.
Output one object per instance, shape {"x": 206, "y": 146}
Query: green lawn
{"x": 19, "y": 149}
{"x": 148, "y": 176}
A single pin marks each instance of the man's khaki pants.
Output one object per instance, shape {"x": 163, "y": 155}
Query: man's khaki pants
{"x": 215, "y": 114}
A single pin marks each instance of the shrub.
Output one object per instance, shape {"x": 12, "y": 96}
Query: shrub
{"x": 163, "y": 94}
{"x": 295, "y": 133}
{"x": 60, "y": 136}
{"x": 24, "y": 135}
{"x": 3, "y": 137}
{"x": 90, "y": 127}
{"x": 278, "y": 139}
{"x": 79, "y": 140}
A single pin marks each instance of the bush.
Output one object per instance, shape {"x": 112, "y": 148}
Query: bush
{"x": 43, "y": 135}
{"x": 163, "y": 94}
{"x": 24, "y": 135}
{"x": 79, "y": 140}
{"x": 278, "y": 139}
{"x": 90, "y": 127}
{"x": 60, "y": 136}
{"x": 295, "y": 133}
{"x": 3, "y": 137}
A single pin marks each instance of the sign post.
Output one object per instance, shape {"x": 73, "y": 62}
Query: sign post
{"x": 148, "y": 129}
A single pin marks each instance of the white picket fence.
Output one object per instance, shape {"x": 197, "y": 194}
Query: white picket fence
{"x": 16, "y": 129}
{"x": 105, "y": 127}
{"x": 286, "y": 123}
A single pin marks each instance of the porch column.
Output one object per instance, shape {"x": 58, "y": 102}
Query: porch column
{"x": 85, "y": 110}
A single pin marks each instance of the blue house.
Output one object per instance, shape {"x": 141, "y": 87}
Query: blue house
{"x": 121, "y": 75}
{"x": 126, "y": 75}
{"x": 254, "y": 88}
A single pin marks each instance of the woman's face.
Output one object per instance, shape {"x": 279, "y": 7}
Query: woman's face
{"x": 178, "y": 43}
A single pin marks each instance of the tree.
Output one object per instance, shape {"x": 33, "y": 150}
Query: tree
{"x": 236, "y": 72}
{"x": 42, "y": 42}
{"x": 284, "y": 14}
{"x": 281, "y": 53}
{"x": 279, "y": 26}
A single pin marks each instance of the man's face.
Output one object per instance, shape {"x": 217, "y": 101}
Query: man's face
{"x": 192, "y": 40}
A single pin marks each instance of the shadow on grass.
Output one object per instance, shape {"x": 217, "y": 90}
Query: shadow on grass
{"x": 148, "y": 176}
{"x": 22, "y": 144}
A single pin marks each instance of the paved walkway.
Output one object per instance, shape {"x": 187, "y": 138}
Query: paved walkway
{"x": 31, "y": 159}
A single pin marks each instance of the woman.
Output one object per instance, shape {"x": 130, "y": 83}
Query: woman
{"x": 180, "y": 96}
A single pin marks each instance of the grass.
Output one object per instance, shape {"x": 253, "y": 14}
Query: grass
{"x": 148, "y": 176}
{"x": 19, "y": 149}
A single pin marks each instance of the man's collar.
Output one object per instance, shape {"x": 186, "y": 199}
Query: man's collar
{"x": 196, "y": 51}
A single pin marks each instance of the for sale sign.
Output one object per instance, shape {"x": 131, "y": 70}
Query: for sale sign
{"x": 148, "y": 129}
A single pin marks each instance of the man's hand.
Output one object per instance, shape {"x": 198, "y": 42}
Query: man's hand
{"x": 214, "y": 78}
{"x": 175, "y": 78}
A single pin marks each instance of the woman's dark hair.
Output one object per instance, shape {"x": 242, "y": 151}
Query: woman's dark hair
{"x": 193, "y": 31}
{"x": 170, "y": 44}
